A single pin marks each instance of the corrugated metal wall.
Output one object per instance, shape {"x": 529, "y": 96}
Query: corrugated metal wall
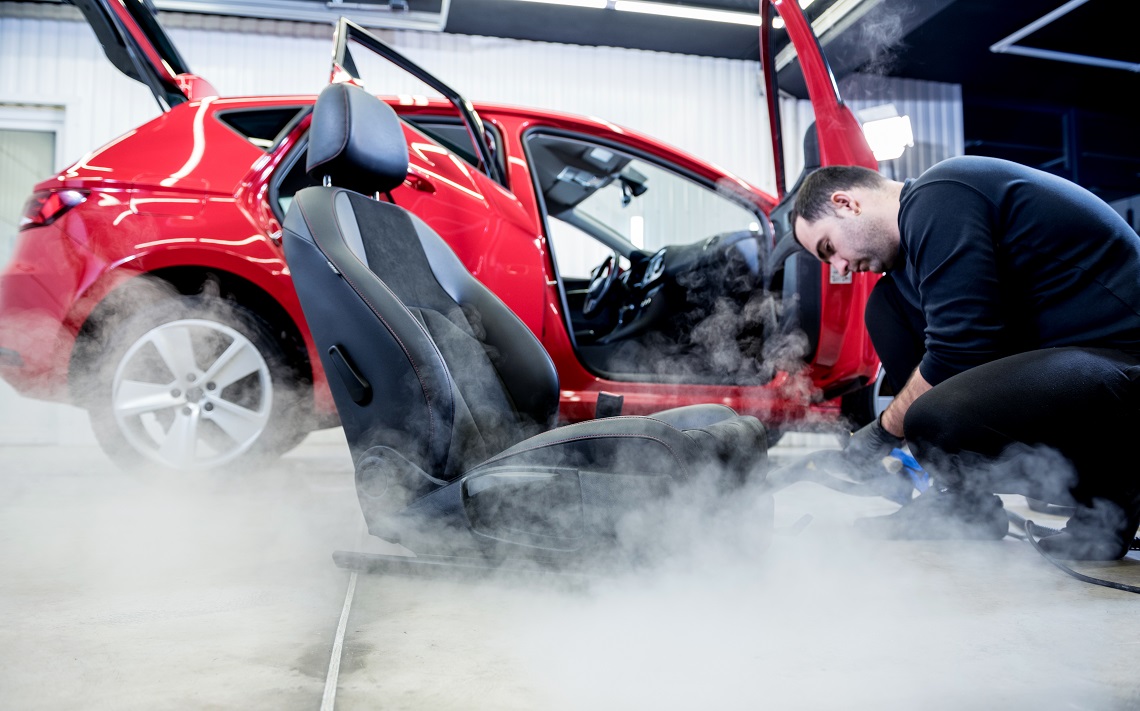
{"x": 709, "y": 107}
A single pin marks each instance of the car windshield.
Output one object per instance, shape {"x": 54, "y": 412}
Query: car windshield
{"x": 600, "y": 199}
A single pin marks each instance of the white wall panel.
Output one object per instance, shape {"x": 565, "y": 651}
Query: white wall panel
{"x": 51, "y": 63}
{"x": 709, "y": 107}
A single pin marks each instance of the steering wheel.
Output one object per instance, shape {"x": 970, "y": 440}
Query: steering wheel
{"x": 602, "y": 279}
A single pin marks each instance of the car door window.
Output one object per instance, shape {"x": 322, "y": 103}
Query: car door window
{"x": 261, "y": 127}
{"x": 293, "y": 178}
{"x": 600, "y": 199}
{"x": 452, "y": 134}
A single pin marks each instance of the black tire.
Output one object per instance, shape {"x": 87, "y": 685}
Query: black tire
{"x": 195, "y": 383}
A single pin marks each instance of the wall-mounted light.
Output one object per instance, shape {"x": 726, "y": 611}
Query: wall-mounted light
{"x": 887, "y": 133}
{"x": 637, "y": 231}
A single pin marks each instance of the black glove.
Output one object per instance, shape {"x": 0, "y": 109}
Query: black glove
{"x": 865, "y": 450}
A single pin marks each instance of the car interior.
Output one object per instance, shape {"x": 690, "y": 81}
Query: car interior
{"x": 681, "y": 287}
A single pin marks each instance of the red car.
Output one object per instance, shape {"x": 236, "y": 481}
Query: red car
{"x": 149, "y": 283}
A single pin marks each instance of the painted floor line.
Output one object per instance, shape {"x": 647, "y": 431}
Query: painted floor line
{"x": 329, "y": 697}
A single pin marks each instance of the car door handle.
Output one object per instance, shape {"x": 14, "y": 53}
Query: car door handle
{"x": 419, "y": 182}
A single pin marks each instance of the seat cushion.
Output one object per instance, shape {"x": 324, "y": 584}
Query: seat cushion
{"x": 738, "y": 444}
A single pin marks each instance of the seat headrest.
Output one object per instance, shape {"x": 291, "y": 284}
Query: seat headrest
{"x": 356, "y": 140}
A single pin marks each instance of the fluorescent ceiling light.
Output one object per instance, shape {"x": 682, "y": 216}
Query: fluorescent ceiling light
{"x": 591, "y": 4}
{"x": 827, "y": 19}
{"x": 368, "y": 15}
{"x": 684, "y": 12}
{"x": 688, "y": 12}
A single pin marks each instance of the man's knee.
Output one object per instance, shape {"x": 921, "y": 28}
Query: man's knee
{"x": 935, "y": 422}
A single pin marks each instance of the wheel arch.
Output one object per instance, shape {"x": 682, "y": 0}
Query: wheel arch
{"x": 186, "y": 280}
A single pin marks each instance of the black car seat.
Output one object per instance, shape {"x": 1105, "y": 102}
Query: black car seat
{"x": 789, "y": 269}
{"x": 447, "y": 399}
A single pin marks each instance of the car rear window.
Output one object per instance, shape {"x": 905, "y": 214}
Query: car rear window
{"x": 451, "y": 133}
{"x": 260, "y": 126}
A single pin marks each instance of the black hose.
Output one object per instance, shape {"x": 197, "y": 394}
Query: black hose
{"x": 809, "y": 469}
{"x": 1032, "y": 530}
{"x": 1020, "y": 521}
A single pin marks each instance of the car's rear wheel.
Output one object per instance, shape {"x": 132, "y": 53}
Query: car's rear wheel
{"x": 195, "y": 384}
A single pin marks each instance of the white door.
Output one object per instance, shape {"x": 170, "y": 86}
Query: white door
{"x": 29, "y": 137}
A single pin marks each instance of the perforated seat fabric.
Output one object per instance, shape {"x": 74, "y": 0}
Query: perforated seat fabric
{"x": 438, "y": 383}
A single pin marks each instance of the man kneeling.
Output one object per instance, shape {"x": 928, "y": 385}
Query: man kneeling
{"x": 1008, "y": 320}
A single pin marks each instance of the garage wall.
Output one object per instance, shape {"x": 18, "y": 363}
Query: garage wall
{"x": 710, "y": 107}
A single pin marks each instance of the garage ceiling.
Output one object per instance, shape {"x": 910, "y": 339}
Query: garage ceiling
{"x": 940, "y": 40}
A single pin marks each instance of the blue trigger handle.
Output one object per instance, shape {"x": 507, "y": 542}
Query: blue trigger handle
{"x": 914, "y": 470}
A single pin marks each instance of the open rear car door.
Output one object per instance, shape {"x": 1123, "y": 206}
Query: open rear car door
{"x": 138, "y": 47}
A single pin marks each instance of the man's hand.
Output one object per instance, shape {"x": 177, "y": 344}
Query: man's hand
{"x": 867, "y": 447}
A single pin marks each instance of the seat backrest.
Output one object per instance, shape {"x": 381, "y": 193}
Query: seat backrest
{"x": 811, "y": 158}
{"x": 421, "y": 357}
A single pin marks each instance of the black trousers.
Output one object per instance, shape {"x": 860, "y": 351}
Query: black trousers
{"x": 1055, "y": 424}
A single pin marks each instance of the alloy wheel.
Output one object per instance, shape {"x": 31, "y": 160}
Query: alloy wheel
{"x": 192, "y": 394}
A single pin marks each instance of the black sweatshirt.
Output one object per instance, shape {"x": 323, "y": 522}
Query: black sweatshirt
{"x": 1004, "y": 259}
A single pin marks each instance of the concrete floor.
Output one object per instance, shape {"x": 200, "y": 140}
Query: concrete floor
{"x": 120, "y": 592}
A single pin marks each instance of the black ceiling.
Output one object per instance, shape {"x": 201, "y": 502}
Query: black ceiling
{"x": 939, "y": 40}
{"x": 1071, "y": 118}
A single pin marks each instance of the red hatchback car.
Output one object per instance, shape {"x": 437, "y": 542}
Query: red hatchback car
{"x": 149, "y": 283}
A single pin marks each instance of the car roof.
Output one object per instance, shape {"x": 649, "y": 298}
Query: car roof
{"x": 410, "y": 105}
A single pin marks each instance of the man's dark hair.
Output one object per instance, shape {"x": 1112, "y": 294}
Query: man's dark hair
{"x": 814, "y": 198}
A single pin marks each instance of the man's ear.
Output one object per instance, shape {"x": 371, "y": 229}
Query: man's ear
{"x": 844, "y": 201}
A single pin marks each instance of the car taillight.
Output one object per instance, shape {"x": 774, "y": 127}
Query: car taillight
{"x": 47, "y": 206}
